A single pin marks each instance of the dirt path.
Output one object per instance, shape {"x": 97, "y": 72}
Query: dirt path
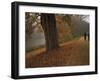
{"x": 72, "y": 53}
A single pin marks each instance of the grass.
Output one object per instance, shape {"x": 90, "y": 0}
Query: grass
{"x": 68, "y": 37}
{"x": 36, "y": 48}
{"x": 73, "y": 53}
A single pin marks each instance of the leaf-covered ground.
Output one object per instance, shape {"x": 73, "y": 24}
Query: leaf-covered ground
{"x": 72, "y": 53}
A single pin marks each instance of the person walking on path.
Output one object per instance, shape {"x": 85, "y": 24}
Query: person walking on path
{"x": 88, "y": 36}
{"x": 85, "y": 36}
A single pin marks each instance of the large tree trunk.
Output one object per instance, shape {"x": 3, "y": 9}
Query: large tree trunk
{"x": 48, "y": 23}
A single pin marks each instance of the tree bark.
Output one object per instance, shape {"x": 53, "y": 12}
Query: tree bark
{"x": 48, "y": 23}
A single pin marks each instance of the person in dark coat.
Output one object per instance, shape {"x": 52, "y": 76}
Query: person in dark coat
{"x": 88, "y": 36}
{"x": 85, "y": 36}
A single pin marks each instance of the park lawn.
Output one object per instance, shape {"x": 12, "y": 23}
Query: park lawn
{"x": 73, "y": 53}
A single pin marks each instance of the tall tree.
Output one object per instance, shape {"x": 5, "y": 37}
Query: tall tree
{"x": 48, "y": 23}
